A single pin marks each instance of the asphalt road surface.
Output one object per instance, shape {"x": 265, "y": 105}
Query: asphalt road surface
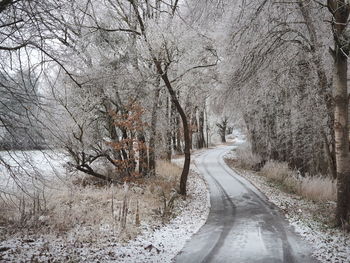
{"x": 242, "y": 226}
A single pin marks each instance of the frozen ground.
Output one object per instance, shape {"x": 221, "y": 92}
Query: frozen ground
{"x": 156, "y": 243}
{"x": 307, "y": 217}
{"x": 171, "y": 238}
{"x": 30, "y": 170}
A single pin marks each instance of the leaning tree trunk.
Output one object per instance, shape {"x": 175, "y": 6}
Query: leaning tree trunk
{"x": 186, "y": 167}
{"x": 164, "y": 76}
{"x": 340, "y": 10}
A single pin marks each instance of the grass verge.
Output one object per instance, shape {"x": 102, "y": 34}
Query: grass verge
{"x": 316, "y": 188}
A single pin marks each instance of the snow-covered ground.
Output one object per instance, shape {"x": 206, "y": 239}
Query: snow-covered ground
{"x": 30, "y": 170}
{"x": 307, "y": 217}
{"x": 157, "y": 243}
{"x": 171, "y": 238}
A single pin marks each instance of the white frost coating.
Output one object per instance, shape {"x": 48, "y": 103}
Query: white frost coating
{"x": 168, "y": 239}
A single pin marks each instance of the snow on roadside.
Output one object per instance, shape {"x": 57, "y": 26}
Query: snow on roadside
{"x": 329, "y": 244}
{"x": 152, "y": 245}
{"x": 171, "y": 238}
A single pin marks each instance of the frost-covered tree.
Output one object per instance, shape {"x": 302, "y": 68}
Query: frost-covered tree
{"x": 282, "y": 82}
{"x": 110, "y": 54}
{"x": 20, "y": 109}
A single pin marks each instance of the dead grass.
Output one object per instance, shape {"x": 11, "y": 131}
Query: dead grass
{"x": 316, "y": 188}
{"x": 245, "y": 159}
{"x": 88, "y": 209}
{"x": 319, "y": 188}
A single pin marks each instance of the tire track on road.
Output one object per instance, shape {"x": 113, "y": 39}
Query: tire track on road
{"x": 228, "y": 224}
{"x": 242, "y": 225}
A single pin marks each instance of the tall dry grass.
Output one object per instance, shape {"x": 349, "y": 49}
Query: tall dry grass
{"x": 245, "y": 159}
{"x": 316, "y": 188}
{"x": 87, "y": 209}
{"x": 319, "y": 188}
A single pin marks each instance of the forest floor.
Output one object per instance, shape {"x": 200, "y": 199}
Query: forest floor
{"x": 85, "y": 224}
{"x": 310, "y": 219}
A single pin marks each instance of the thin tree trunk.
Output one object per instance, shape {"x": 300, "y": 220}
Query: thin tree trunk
{"x": 201, "y": 140}
{"x": 206, "y": 124}
{"x": 125, "y": 137}
{"x": 112, "y": 131}
{"x": 152, "y": 140}
{"x": 194, "y": 127}
{"x": 331, "y": 163}
{"x": 143, "y": 158}
{"x": 132, "y": 160}
{"x": 178, "y": 135}
{"x": 173, "y": 126}
{"x": 168, "y": 132}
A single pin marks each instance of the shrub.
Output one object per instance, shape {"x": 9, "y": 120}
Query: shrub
{"x": 245, "y": 159}
{"x": 277, "y": 171}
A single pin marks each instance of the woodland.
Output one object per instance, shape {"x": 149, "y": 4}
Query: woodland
{"x": 119, "y": 84}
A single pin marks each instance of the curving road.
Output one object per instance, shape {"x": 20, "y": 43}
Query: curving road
{"x": 242, "y": 226}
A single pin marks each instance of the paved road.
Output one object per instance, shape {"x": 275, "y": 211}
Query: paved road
{"x": 242, "y": 226}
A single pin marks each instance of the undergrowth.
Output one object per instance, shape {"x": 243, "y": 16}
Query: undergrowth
{"x": 317, "y": 188}
{"x": 88, "y": 208}
{"x": 244, "y": 158}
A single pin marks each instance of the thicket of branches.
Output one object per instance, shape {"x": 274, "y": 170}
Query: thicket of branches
{"x": 116, "y": 84}
{"x": 288, "y": 85}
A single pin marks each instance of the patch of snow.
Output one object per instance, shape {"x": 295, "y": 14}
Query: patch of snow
{"x": 30, "y": 170}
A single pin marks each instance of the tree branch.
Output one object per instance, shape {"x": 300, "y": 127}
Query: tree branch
{"x": 199, "y": 66}
{"x": 13, "y": 48}
{"x": 114, "y": 29}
